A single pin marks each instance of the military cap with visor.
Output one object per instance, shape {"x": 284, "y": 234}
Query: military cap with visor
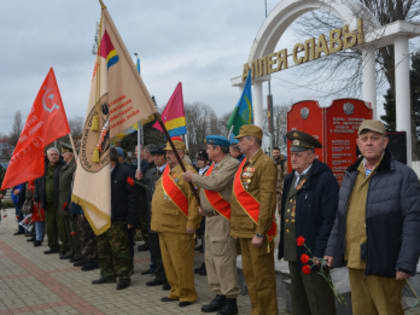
{"x": 301, "y": 141}
{"x": 250, "y": 130}
{"x": 178, "y": 143}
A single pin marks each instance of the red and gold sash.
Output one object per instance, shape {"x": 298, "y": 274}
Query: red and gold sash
{"x": 174, "y": 192}
{"x": 216, "y": 200}
{"x": 248, "y": 203}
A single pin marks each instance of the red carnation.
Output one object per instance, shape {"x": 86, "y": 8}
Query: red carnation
{"x": 73, "y": 233}
{"x": 304, "y": 258}
{"x": 306, "y": 269}
{"x": 300, "y": 240}
{"x": 130, "y": 181}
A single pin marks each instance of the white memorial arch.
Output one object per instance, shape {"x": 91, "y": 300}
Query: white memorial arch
{"x": 376, "y": 36}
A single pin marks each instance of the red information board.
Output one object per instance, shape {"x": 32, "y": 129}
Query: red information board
{"x": 342, "y": 120}
{"x": 335, "y": 127}
{"x": 306, "y": 116}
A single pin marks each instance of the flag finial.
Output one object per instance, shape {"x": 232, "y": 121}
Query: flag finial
{"x": 103, "y": 6}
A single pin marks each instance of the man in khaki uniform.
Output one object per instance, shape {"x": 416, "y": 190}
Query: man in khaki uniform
{"x": 220, "y": 249}
{"x": 376, "y": 231}
{"x": 253, "y": 204}
{"x": 175, "y": 217}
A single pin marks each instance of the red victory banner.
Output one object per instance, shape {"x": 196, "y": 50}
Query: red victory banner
{"x": 46, "y": 122}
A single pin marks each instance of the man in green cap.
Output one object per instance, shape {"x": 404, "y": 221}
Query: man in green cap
{"x": 63, "y": 218}
{"x": 376, "y": 231}
{"x": 253, "y": 205}
{"x": 308, "y": 209}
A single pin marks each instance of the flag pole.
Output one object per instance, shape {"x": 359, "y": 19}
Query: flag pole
{"x": 74, "y": 147}
{"x": 139, "y": 135}
{"x": 165, "y": 131}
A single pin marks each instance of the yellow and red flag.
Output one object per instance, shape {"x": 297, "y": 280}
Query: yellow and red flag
{"x": 46, "y": 122}
{"x": 118, "y": 99}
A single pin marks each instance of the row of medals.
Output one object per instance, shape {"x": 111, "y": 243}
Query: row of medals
{"x": 247, "y": 176}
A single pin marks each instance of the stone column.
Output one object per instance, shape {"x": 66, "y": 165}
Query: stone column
{"x": 257, "y": 102}
{"x": 402, "y": 91}
{"x": 369, "y": 79}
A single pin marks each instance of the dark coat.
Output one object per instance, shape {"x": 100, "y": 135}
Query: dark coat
{"x": 392, "y": 219}
{"x": 40, "y": 194}
{"x": 65, "y": 187}
{"x": 316, "y": 206}
{"x": 123, "y": 201}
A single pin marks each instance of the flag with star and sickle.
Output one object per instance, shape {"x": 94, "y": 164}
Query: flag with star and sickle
{"x": 46, "y": 122}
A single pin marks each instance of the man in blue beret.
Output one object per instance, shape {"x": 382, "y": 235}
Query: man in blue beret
{"x": 220, "y": 249}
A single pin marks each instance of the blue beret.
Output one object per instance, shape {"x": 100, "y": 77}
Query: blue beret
{"x": 218, "y": 140}
{"x": 234, "y": 141}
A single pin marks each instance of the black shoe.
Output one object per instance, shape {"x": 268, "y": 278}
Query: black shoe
{"x": 184, "y": 303}
{"x": 215, "y": 305}
{"x": 154, "y": 282}
{"x": 102, "y": 280}
{"x": 230, "y": 308}
{"x": 201, "y": 270}
{"x": 123, "y": 283}
{"x": 147, "y": 272}
{"x": 66, "y": 256}
{"x": 168, "y": 299}
{"x": 37, "y": 243}
{"x": 166, "y": 287}
{"x": 32, "y": 239}
{"x": 18, "y": 233}
{"x": 80, "y": 263}
{"x": 75, "y": 259}
{"x": 51, "y": 251}
{"x": 143, "y": 247}
{"x": 90, "y": 266}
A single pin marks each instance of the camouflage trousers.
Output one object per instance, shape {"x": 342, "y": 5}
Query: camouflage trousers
{"x": 87, "y": 238}
{"x": 114, "y": 252}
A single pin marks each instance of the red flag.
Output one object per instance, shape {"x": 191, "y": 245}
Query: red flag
{"x": 46, "y": 122}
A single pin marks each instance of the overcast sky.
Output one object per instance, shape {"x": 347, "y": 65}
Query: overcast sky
{"x": 203, "y": 44}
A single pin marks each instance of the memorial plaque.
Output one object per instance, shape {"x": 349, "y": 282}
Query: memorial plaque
{"x": 306, "y": 116}
{"x": 342, "y": 121}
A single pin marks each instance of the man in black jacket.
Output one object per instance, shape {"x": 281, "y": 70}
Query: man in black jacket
{"x": 308, "y": 209}
{"x": 113, "y": 245}
{"x": 47, "y": 193}
{"x": 376, "y": 232}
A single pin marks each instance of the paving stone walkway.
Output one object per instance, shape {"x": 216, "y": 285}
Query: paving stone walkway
{"x": 34, "y": 283}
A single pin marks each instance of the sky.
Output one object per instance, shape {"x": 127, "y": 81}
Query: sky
{"x": 202, "y": 44}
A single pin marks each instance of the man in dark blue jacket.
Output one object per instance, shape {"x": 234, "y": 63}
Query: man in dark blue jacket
{"x": 377, "y": 230}
{"x": 114, "y": 256}
{"x": 308, "y": 209}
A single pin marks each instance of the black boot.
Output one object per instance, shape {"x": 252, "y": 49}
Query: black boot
{"x": 230, "y": 308}
{"x": 216, "y": 304}
{"x": 91, "y": 265}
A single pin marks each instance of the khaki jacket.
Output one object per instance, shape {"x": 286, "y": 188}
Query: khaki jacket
{"x": 262, "y": 187}
{"x": 220, "y": 180}
{"x": 166, "y": 216}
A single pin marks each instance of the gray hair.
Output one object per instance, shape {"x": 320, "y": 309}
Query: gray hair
{"x": 53, "y": 149}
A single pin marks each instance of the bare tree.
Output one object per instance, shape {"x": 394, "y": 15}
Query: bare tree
{"x": 343, "y": 68}
{"x": 16, "y": 129}
{"x": 76, "y": 127}
{"x": 201, "y": 121}
{"x": 280, "y": 126}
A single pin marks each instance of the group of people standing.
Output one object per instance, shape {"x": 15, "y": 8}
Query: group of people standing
{"x": 370, "y": 223}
